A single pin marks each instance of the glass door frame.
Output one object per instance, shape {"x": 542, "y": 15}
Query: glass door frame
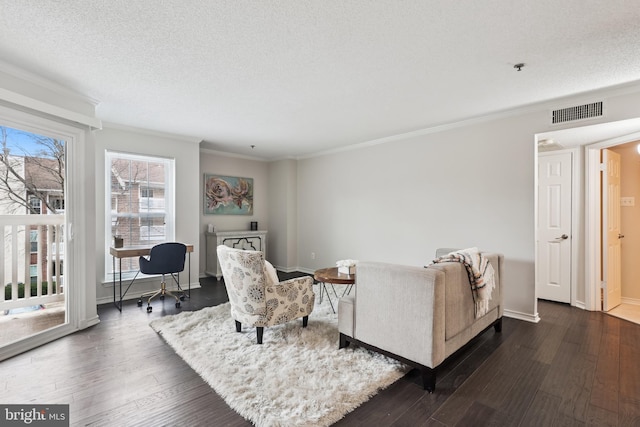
{"x": 80, "y": 236}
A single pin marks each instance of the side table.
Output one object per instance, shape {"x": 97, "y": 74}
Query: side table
{"x": 330, "y": 275}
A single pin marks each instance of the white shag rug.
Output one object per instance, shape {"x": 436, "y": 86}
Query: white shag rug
{"x": 297, "y": 377}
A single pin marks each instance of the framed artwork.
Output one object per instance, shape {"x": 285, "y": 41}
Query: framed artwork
{"x": 228, "y": 195}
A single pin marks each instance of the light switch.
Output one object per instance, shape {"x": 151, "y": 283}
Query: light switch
{"x": 627, "y": 201}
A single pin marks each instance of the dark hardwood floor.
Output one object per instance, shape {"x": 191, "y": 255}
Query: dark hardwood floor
{"x": 573, "y": 368}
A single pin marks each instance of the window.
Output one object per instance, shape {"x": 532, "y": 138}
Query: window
{"x": 33, "y": 241}
{"x": 146, "y": 192}
{"x": 140, "y": 205}
{"x": 57, "y": 202}
{"x": 35, "y": 204}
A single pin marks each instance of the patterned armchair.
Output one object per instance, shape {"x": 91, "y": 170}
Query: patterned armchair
{"x": 256, "y": 297}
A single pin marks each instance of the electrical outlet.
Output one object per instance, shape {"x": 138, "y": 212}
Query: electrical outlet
{"x": 313, "y": 255}
{"x": 627, "y": 201}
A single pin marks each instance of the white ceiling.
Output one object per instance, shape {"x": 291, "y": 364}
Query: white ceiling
{"x": 303, "y": 76}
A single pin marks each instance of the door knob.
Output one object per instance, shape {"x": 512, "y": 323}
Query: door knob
{"x": 563, "y": 237}
{"x": 620, "y": 236}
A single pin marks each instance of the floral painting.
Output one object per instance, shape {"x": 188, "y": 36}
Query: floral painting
{"x": 228, "y": 195}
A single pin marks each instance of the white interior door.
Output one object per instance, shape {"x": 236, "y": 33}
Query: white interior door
{"x": 611, "y": 233}
{"x": 553, "y": 279}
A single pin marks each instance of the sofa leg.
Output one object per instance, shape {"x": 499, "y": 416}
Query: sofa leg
{"x": 428, "y": 379}
{"x": 238, "y": 326}
{"x": 498, "y": 325}
{"x": 343, "y": 341}
{"x": 259, "y": 332}
{"x": 305, "y": 321}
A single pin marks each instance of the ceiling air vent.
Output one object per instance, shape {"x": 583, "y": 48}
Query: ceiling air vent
{"x": 579, "y": 112}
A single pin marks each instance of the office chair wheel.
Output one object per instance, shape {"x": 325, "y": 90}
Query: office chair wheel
{"x": 161, "y": 296}
{"x": 178, "y": 304}
{"x": 182, "y": 298}
{"x": 149, "y": 309}
{"x": 140, "y": 303}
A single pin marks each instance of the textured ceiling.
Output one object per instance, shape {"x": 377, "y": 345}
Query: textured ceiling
{"x": 300, "y": 76}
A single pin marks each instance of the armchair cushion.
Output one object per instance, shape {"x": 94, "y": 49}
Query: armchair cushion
{"x": 272, "y": 274}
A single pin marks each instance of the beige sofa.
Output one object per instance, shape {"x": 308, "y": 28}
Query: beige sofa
{"x": 417, "y": 315}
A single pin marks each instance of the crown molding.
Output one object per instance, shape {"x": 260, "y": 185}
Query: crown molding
{"x": 46, "y": 108}
{"x": 38, "y": 80}
{"x": 543, "y": 106}
{"x": 232, "y": 155}
{"x": 150, "y": 132}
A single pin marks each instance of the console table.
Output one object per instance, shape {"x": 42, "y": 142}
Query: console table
{"x": 249, "y": 240}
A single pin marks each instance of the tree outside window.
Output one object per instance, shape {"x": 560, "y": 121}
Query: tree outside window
{"x": 32, "y": 181}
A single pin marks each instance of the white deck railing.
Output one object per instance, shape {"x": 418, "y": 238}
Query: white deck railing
{"x": 16, "y": 255}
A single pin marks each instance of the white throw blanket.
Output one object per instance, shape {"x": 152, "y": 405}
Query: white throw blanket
{"x": 481, "y": 276}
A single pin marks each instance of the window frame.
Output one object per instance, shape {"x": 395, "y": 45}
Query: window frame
{"x": 169, "y": 203}
{"x": 35, "y": 203}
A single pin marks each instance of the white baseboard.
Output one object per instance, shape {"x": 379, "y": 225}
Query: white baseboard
{"x": 580, "y": 304}
{"x": 286, "y": 269}
{"x": 36, "y": 340}
{"x": 632, "y": 301}
{"x": 294, "y": 269}
{"x": 89, "y": 322}
{"x": 522, "y": 316}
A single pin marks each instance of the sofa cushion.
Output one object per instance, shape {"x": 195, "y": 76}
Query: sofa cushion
{"x": 459, "y": 311}
{"x": 459, "y": 304}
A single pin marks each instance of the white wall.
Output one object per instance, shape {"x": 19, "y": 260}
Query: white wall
{"x": 214, "y": 163}
{"x": 283, "y": 214}
{"x": 399, "y": 201}
{"x": 472, "y": 185}
{"x": 186, "y": 155}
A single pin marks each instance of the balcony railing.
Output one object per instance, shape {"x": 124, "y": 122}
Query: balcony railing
{"x": 20, "y": 287}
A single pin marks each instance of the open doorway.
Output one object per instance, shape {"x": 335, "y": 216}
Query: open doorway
{"x": 619, "y": 294}
{"x": 629, "y": 307}
{"x": 32, "y": 208}
{"x": 587, "y": 142}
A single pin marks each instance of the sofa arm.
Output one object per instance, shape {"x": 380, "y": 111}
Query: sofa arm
{"x": 401, "y": 309}
{"x": 346, "y": 316}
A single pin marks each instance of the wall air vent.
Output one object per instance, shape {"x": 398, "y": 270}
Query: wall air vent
{"x": 579, "y": 112}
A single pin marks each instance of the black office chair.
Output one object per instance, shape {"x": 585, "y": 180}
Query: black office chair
{"x": 164, "y": 258}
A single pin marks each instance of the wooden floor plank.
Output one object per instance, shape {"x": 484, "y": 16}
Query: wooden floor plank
{"x": 475, "y": 413}
{"x": 598, "y": 417}
{"x": 629, "y": 371}
{"x": 629, "y": 412}
{"x": 549, "y": 346}
{"x": 563, "y": 420}
{"x": 576, "y": 395}
{"x": 523, "y": 392}
{"x": 542, "y": 411}
{"x": 606, "y": 381}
